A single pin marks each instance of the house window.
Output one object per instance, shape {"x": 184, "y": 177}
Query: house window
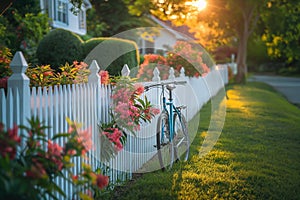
{"x": 61, "y": 11}
{"x": 145, "y": 46}
{"x": 149, "y": 47}
{"x": 81, "y": 17}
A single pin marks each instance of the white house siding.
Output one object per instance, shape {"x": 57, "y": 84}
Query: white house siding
{"x": 73, "y": 21}
{"x": 73, "y": 24}
{"x": 166, "y": 38}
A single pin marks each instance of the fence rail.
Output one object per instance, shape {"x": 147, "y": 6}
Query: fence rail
{"x": 90, "y": 103}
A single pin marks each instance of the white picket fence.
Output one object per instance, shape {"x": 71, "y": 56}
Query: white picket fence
{"x": 89, "y": 104}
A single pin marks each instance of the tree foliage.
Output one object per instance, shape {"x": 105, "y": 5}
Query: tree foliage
{"x": 22, "y": 26}
{"x": 108, "y": 18}
{"x": 282, "y": 33}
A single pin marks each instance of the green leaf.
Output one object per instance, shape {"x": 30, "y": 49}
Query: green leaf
{"x": 59, "y": 135}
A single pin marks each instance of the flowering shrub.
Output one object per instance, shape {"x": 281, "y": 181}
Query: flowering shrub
{"x": 5, "y": 71}
{"x": 182, "y": 55}
{"x": 30, "y": 163}
{"x": 129, "y": 109}
{"x": 75, "y": 73}
{"x": 151, "y": 61}
{"x": 45, "y": 76}
{"x": 40, "y": 76}
{"x": 5, "y": 58}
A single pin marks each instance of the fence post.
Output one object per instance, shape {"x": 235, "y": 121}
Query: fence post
{"x": 171, "y": 74}
{"x": 182, "y": 72}
{"x": 94, "y": 77}
{"x": 19, "y": 81}
{"x": 125, "y": 70}
{"x": 156, "y": 75}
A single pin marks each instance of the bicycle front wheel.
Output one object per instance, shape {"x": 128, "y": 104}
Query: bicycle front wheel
{"x": 181, "y": 137}
{"x": 165, "y": 148}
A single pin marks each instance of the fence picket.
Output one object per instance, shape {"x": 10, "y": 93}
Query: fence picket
{"x": 10, "y": 110}
{"x": 2, "y": 106}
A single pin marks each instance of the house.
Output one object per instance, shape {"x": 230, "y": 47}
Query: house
{"x": 166, "y": 37}
{"x": 62, "y": 17}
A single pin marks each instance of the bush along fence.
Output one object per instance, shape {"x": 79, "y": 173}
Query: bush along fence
{"x": 89, "y": 104}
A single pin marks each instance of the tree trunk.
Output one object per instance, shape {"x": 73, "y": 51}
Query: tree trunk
{"x": 242, "y": 54}
{"x": 241, "y": 60}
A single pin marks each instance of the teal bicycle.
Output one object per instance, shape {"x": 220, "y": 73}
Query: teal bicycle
{"x": 172, "y": 138}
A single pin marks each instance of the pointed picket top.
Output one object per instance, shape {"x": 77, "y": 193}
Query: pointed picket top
{"x": 171, "y": 74}
{"x": 156, "y": 75}
{"x": 18, "y": 63}
{"x": 94, "y": 73}
{"x": 182, "y": 72}
{"x": 125, "y": 70}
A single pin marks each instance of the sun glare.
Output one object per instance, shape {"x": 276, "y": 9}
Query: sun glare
{"x": 199, "y": 4}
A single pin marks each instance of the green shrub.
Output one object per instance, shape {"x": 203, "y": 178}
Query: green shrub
{"x": 58, "y": 47}
{"x": 111, "y": 54}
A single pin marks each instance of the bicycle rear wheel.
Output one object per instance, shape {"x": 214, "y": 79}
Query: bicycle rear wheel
{"x": 181, "y": 138}
{"x": 165, "y": 148}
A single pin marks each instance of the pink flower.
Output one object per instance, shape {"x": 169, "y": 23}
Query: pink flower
{"x": 54, "y": 154}
{"x": 85, "y": 137}
{"x": 119, "y": 146}
{"x": 154, "y": 111}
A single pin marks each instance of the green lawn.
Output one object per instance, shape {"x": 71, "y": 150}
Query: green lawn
{"x": 256, "y": 157}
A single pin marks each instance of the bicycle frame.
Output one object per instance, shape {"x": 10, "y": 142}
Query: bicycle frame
{"x": 168, "y": 106}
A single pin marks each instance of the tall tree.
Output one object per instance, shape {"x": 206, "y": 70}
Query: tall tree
{"x": 239, "y": 19}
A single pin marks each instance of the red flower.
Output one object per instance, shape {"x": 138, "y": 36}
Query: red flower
{"x": 139, "y": 89}
{"x": 104, "y": 77}
{"x": 8, "y": 142}
{"x": 36, "y": 170}
{"x": 102, "y": 181}
{"x": 48, "y": 73}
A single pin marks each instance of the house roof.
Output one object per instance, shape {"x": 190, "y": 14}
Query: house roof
{"x": 181, "y": 32}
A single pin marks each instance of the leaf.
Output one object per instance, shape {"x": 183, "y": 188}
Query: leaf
{"x": 107, "y": 150}
{"x": 60, "y": 135}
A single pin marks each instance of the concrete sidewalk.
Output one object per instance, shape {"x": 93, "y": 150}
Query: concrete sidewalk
{"x": 289, "y": 87}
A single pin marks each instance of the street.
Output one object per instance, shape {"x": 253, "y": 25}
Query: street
{"x": 289, "y": 87}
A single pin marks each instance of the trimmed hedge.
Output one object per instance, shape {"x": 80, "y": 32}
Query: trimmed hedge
{"x": 58, "y": 47}
{"x": 111, "y": 54}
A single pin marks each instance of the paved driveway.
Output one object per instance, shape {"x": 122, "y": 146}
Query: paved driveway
{"x": 289, "y": 87}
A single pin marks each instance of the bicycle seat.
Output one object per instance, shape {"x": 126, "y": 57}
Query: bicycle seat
{"x": 171, "y": 87}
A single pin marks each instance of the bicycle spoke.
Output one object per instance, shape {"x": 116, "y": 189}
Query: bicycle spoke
{"x": 181, "y": 139}
{"x": 164, "y": 146}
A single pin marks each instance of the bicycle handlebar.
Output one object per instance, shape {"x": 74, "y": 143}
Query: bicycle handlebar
{"x": 147, "y": 87}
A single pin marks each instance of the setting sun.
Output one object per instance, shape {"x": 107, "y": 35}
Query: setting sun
{"x": 199, "y": 4}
